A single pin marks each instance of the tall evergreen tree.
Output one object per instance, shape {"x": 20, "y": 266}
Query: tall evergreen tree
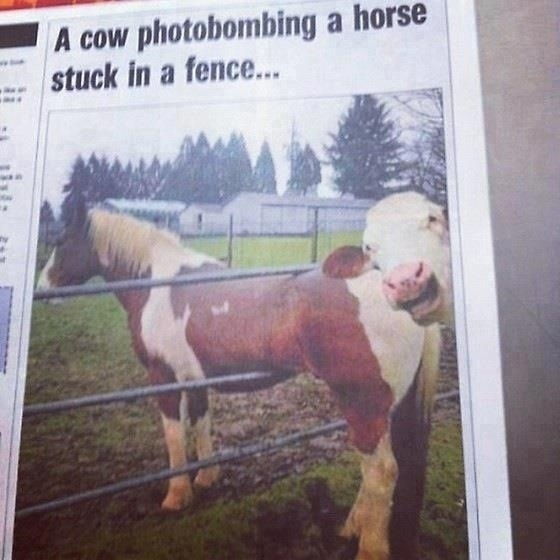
{"x": 179, "y": 181}
{"x": 46, "y": 218}
{"x": 126, "y": 185}
{"x": 306, "y": 174}
{"x": 78, "y": 184}
{"x": 116, "y": 172}
{"x": 141, "y": 188}
{"x": 204, "y": 188}
{"x": 164, "y": 172}
{"x": 264, "y": 174}
{"x": 220, "y": 162}
{"x": 293, "y": 152}
{"x": 238, "y": 166}
{"x": 153, "y": 177}
{"x": 365, "y": 151}
{"x": 46, "y": 214}
{"x": 104, "y": 185}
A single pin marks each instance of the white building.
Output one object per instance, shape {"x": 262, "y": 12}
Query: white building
{"x": 162, "y": 213}
{"x": 269, "y": 214}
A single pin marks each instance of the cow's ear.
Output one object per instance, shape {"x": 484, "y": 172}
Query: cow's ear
{"x": 346, "y": 262}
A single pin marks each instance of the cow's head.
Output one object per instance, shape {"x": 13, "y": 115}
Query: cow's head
{"x": 407, "y": 238}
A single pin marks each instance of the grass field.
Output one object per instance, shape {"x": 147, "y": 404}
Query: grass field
{"x": 83, "y": 347}
{"x": 273, "y": 250}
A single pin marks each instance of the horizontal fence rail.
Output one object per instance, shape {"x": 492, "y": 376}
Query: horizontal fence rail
{"x": 217, "y": 459}
{"x": 143, "y": 392}
{"x": 154, "y": 390}
{"x": 225, "y": 456}
{"x": 224, "y": 275}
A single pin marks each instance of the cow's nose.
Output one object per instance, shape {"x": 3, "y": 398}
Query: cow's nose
{"x": 406, "y": 281}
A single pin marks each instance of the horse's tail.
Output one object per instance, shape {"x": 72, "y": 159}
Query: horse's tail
{"x": 410, "y": 431}
{"x": 428, "y": 373}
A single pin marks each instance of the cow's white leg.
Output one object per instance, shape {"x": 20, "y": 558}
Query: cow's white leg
{"x": 205, "y": 477}
{"x": 179, "y": 493}
{"x": 371, "y": 513}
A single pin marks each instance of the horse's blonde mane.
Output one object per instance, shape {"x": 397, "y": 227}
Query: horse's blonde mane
{"x": 121, "y": 239}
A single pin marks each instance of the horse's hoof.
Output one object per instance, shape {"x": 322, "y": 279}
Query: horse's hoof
{"x": 349, "y": 530}
{"x": 176, "y": 501}
{"x": 172, "y": 505}
{"x": 205, "y": 478}
{"x": 373, "y": 555}
{"x": 365, "y": 555}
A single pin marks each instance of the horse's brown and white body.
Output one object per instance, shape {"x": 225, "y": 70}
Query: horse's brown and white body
{"x": 340, "y": 326}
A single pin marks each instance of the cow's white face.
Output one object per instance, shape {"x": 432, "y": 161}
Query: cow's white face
{"x": 407, "y": 238}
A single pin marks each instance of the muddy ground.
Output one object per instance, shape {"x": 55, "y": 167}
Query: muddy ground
{"x": 239, "y": 419}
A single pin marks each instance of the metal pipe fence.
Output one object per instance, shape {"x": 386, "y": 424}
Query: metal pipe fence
{"x": 220, "y": 458}
{"x": 144, "y": 392}
{"x": 224, "y": 275}
{"x": 217, "y": 459}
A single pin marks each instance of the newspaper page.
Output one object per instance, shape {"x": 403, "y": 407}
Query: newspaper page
{"x": 283, "y": 208}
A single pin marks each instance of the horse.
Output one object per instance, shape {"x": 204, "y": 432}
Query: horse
{"x": 416, "y": 269}
{"x": 334, "y": 321}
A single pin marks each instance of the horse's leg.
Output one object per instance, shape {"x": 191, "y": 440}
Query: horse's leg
{"x": 199, "y": 415}
{"x": 370, "y": 515}
{"x": 179, "y": 493}
{"x": 410, "y": 430}
{"x": 172, "y": 407}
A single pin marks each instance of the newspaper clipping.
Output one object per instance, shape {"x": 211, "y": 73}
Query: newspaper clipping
{"x": 246, "y": 285}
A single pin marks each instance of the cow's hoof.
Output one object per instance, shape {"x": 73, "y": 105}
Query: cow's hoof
{"x": 205, "y": 478}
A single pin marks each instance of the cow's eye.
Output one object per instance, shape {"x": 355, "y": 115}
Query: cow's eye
{"x": 432, "y": 219}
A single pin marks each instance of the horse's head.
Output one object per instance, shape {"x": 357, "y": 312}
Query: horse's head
{"x": 407, "y": 238}
{"x": 72, "y": 261}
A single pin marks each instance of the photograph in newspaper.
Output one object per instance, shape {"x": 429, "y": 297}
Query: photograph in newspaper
{"x": 352, "y": 194}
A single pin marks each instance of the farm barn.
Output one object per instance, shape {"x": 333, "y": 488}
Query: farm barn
{"x": 270, "y": 214}
{"x": 162, "y": 213}
{"x": 252, "y": 214}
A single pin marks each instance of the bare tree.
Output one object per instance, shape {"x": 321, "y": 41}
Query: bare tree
{"x": 425, "y": 151}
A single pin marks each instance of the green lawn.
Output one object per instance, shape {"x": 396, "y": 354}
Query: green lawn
{"x": 271, "y": 250}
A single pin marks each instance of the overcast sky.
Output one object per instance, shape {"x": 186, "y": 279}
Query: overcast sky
{"x": 130, "y": 134}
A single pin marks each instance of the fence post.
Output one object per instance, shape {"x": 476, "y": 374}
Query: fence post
{"x": 315, "y": 236}
{"x": 230, "y": 242}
